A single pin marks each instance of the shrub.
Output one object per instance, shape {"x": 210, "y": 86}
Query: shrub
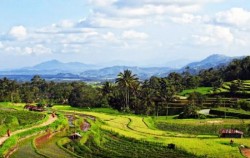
{"x": 243, "y": 104}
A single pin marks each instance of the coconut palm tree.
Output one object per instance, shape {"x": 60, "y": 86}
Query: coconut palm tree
{"x": 125, "y": 81}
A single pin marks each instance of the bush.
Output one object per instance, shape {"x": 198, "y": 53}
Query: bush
{"x": 190, "y": 111}
{"x": 243, "y": 104}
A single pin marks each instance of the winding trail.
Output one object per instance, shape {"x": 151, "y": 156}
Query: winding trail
{"x": 49, "y": 121}
{"x": 245, "y": 152}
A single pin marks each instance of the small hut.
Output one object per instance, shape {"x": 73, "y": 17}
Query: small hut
{"x": 231, "y": 133}
{"x": 75, "y": 136}
{"x": 34, "y": 108}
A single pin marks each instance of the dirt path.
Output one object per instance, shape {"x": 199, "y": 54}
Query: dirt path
{"x": 245, "y": 152}
{"x": 49, "y": 121}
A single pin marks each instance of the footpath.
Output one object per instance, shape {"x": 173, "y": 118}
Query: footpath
{"x": 48, "y": 122}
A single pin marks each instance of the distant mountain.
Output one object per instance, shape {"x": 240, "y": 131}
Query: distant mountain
{"x": 211, "y": 61}
{"x": 57, "y": 65}
{"x": 53, "y": 67}
{"x": 56, "y": 70}
{"x": 111, "y": 72}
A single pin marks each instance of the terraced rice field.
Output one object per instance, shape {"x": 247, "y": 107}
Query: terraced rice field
{"x": 26, "y": 149}
{"x": 140, "y": 128}
{"x": 113, "y": 135}
{"x": 245, "y": 87}
{"x": 49, "y": 147}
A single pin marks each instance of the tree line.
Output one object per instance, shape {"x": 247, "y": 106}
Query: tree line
{"x": 127, "y": 93}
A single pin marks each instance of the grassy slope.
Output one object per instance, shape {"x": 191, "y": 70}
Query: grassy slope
{"x": 26, "y": 149}
{"x": 202, "y": 128}
{"x": 99, "y": 143}
{"x": 50, "y": 148}
{"x": 202, "y": 90}
{"x": 13, "y": 119}
{"x": 239, "y": 111}
{"x": 226, "y": 86}
{"x": 134, "y": 127}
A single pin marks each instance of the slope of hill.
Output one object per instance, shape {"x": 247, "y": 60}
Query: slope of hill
{"x": 212, "y": 61}
{"x": 52, "y": 67}
{"x": 111, "y": 72}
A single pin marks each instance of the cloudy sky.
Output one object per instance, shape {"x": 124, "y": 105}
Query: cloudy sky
{"x": 132, "y": 32}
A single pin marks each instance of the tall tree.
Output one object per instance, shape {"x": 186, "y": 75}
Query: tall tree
{"x": 125, "y": 81}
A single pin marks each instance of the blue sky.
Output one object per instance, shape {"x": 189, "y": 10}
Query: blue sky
{"x": 131, "y": 32}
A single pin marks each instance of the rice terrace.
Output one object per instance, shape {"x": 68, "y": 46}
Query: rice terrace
{"x": 124, "y": 79}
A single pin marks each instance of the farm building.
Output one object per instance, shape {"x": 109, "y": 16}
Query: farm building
{"x": 231, "y": 133}
{"x": 75, "y": 136}
{"x": 34, "y": 108}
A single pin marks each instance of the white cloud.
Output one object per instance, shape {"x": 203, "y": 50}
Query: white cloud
{"x": 131, "y": 34}
{"x": 215, "y": 35}
{"x": 64, "y": 24}
{"x": 28, "y": 50}
{"x": 234, "y": 16}
{"x": 149, "y": 10}
{"x": 102, "y": 3}
{"x": 189, "y": 19}
{"x": 41, "y": 49}
{"x": 1, "y": 45}
{"x": 111, "y": 22}
{"x": 110, "y": 37}
{"x": 38, "y": 49}
{"x": 165, "y": 2}
{"x": 183, "y": 2}
{"x": 18, "y": 32}
{"x": 11, "y": 49}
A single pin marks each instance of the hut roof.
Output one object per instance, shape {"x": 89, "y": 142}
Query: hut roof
{"x": 230, "y": 131}
{"x": 76, "y": 134}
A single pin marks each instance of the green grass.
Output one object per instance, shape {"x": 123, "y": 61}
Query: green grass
{"x": 204, "y": 127}
{"x": 239, "y": 111}
{"x": 202, "y": 90}
{"x": 201, "y": 144}
{"x": 226, "y": 87}
{"x": 100, "y": 110}
{"x": 113, "y": 134}
{"x": 14, "y": 120}
{"x": 60, "y": 123}
{"x": 11, "y": 106}
{"x": 49, "y": 148}
{"x": 111, "y": 145}
{"x": 26, "y": 149}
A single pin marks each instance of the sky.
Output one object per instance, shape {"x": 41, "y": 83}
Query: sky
{"x": 131, "y": 32}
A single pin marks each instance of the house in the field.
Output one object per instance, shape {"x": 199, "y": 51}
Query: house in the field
{"x": 75, "y": 136}
{"x": 34, "y": 108}
{"x": 231, "y": 133}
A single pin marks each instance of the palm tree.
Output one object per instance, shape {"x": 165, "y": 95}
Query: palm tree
{"x": 126, "y": 80}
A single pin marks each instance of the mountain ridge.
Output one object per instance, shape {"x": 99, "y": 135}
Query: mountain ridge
{"x": 88, "y": 71}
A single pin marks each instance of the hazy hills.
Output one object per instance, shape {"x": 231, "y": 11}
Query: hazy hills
{"x": 56, "y": 70}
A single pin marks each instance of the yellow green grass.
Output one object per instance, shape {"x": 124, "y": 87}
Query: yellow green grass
{"x": 202, "y": 90}
{"x": 226, "y": 86}
{"x": 134, "y": 127}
